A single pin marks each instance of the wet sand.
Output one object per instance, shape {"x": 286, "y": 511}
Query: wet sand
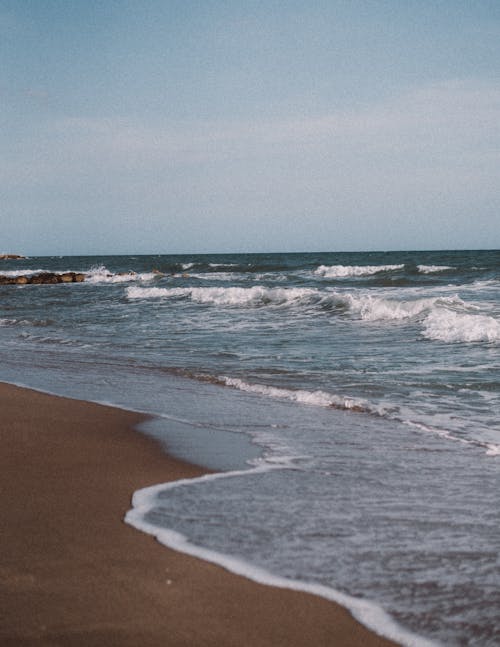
{"x": 73, "y": 573}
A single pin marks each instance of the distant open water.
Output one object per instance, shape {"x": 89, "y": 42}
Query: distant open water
{"x": 353, "y": 401}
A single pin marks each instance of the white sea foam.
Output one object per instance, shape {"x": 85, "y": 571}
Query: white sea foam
{"x": 134, "y": 292}
{"x": 372, "y": 308}
{"x": 254, "y": 296}
{"x": 449, "y": 326}
{"x": 323, "y": 399}
{"x": 367, "y": 306}
{"x": 430, "y": 269}
{"x": 187, "y": 266}
{"x": 102, "y": 275}
{"x": 493, "y": 449}
{"x": 341, "y": 271}
{"x": 21, "y": 272}
{"x": 365, "y": 611}
{"x": 316, "y": 398}
{"x": 232, "y": 296}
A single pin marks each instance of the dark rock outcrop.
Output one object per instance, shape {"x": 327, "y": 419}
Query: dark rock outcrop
{"x": 44, "y": 278}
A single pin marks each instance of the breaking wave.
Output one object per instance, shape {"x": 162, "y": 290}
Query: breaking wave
{"x": 102, "y": 275}
{"x": 368, "y": 307}
{"x": 430, "y": 269}
{"x": 376, "y": 309}
{"x": 256, "y": 296}
{"x": 341, "y": 271}
{"x": 319, "y": 398}
{"x": 316, "y": 398}
{"x": 449, "y": 326}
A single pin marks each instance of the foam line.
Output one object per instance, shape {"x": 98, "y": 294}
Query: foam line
{"x": 342, "y": 271}
{"x": 368, "y": 613}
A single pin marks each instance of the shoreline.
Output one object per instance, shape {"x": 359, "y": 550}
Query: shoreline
{"x": 73, "y": 573}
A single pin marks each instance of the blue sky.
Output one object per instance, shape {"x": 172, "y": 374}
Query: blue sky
{"x": 165, "y": 127}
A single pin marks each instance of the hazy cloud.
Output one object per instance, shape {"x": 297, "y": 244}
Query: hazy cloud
{"x": 435, "y": 146}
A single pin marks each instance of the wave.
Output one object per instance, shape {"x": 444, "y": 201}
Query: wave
{"x": 342, "y": 271}
{"x": 430, "y": 269}
{"x": 256, "y": 296}
{"x": 366, "y": 306}
{"x": 449, "y": 326}
{"x": 316, "y": 398}
{"x": 320, "y": 398}
{"x": 378, "y": 309}
{"x": 102, "y": 275}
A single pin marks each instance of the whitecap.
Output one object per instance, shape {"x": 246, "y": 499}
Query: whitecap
{"x": 255, "y": 296}
{"x": 342, "y": 271}
{"x": 430, "y": 269}
{"x": 372, "y": 308}
{"x": 102, "y": 275}
{"x": 367, "y": 306}
{"x": 449, "y": 326}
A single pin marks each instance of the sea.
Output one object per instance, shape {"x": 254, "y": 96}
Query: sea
{"x": 346, "y": 407}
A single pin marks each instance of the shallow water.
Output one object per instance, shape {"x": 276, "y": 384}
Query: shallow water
{"x": 372, "y": 381}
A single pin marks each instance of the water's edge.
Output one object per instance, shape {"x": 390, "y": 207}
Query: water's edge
{"x": 367, "y": 613}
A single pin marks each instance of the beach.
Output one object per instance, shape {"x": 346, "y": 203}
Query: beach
{"x": 73, "y": 573}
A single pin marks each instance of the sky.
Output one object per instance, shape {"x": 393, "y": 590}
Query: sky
{"x": 180, "y": 127}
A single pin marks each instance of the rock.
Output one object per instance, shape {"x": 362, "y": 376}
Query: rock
{"x": 6, "y": 257}
{"x": 44, "y": 278}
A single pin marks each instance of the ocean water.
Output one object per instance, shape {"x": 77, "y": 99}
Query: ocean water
{"x": 349, "y": 404}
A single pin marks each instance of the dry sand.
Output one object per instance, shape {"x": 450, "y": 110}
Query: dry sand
{"x": 73, "y": 573}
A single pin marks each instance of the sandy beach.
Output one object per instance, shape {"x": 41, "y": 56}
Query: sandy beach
{"x": 73, "y": 573}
